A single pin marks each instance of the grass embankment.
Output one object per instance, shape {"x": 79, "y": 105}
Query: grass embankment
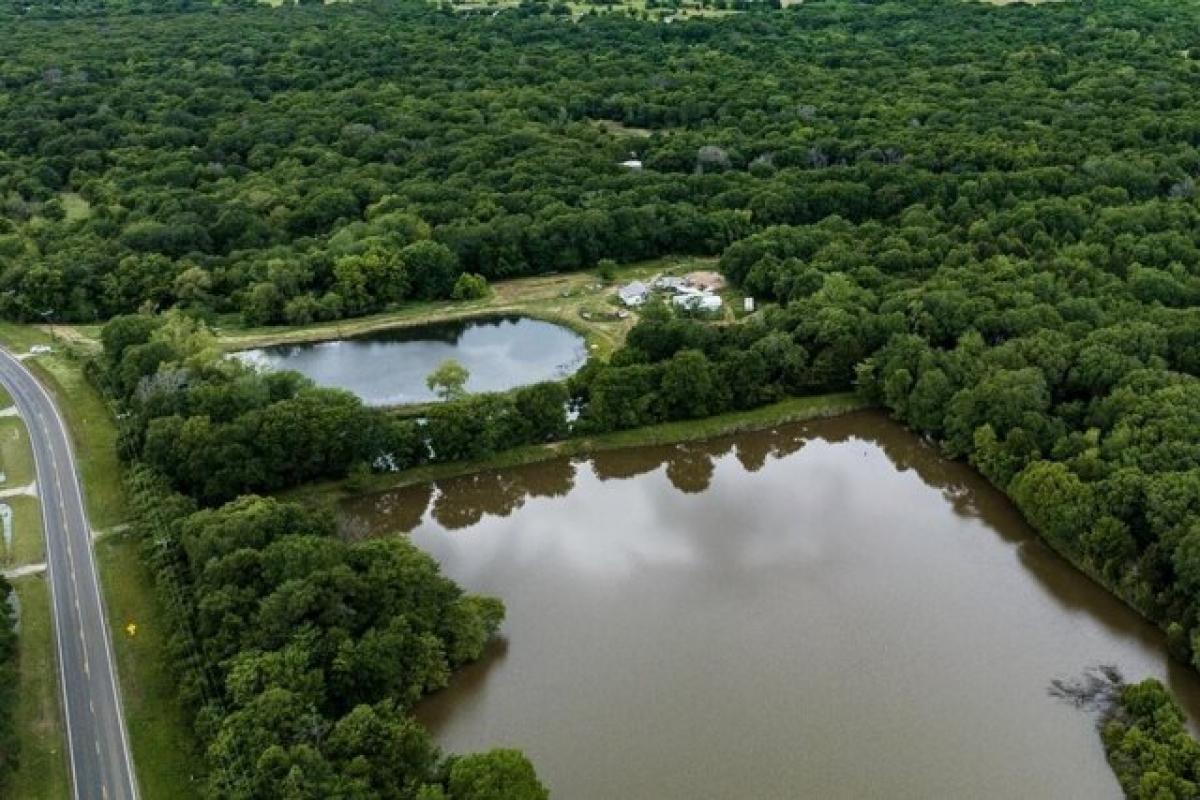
{"x": 16, "y": 457}
{"x": 580, "y": 301}
{"x": 794, "y": 409}
{"x": 16, "y": 462}
{"x": 164, "y": 748}
{"x": 28, "y": 545}
{"x": 93, "y": 431}
{"x": 93, "y": 436}
{"x": 159, "y": 734}
{"x": 42, "y": 771}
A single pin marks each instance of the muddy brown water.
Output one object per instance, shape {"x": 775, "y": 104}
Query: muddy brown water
{"x": 827, "y": 610}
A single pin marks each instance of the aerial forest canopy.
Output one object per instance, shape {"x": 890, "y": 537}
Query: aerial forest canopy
{"x": 312, "y": 162}
{"x": 984, "y": 219}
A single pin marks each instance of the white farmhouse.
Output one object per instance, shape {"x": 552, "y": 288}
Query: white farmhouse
{"x": 633, "y": 294}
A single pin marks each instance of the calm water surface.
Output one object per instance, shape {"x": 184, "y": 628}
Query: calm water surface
{"x": 828, "y": 610}
{"x": 389, "y": 367}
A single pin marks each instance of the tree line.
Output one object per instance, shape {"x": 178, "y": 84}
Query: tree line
{"x": 300, "y": 655}
{"x": 243, "y": 160}
{"x": 984, "y": 219}
{"x": 1148, "y": 744}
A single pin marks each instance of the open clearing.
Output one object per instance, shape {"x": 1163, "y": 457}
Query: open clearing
{"x": 578, "y": 300}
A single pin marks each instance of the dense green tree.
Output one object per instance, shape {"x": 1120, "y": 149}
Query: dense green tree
{"x": 687, "y": 385}
{"x": 1149, "y": 747}
{"x": 433, "y": 268}
{"x": 1024, "y": 294}
{"x": 469, "y": 286}
{"x": 448, "y": 380}
{"x": 495, "y": 775}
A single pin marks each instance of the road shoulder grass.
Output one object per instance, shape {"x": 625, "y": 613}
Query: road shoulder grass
{"x": 93, "y": 437}
{"x": 16, "y": 456}
{"x": 42, "y": 770}
{"x": 164, "y": 748}
{"x": 28, "y": 545}
{"x": 163, "y": 745}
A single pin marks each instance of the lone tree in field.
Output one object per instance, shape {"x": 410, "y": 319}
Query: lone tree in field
{"x": 449, "y": 380}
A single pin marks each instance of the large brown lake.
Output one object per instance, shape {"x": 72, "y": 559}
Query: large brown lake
{"x": 828, "y": 610}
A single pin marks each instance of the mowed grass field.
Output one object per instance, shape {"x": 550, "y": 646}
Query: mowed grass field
{"x": 16, "y": 457}
{"x": 28, "y": 545}
{"x": 42, "y": 770}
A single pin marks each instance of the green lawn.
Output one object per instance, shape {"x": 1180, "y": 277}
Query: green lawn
{"x": 93, "y": 431}
{"x": 42, "y": 771}
{"x": 93, "y": 435}
{"x": 28, "y": 544}
{"x": 163, "y": 747}
{"x": 578, "y": 300}
{"x": 16, "y": 462}
{"x": 16, "y": 457}
{"x": 19, "y": 338}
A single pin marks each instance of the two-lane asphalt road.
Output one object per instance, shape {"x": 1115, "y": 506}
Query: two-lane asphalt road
{"x": 101, "y": 767}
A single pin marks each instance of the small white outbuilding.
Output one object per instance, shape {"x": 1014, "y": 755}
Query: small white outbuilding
{"x": 633, "y": 294}
{"x": 698, "y": 301}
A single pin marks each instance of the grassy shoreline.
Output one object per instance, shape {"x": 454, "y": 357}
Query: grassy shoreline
{"x": 580, "y": 301}
{"x": 576, "y": 300}
{"x": 797, "y": 409}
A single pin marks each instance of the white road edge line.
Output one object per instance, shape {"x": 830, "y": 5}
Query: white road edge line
{"x": 103, "y": 609}
{"x": 62, "y": 677}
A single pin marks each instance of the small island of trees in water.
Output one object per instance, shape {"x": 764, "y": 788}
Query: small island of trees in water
{"x": 983, "y": 219}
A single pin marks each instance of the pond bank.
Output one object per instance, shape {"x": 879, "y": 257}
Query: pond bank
{"x": 796, "y": 409}
{"x": 390, "y": 368}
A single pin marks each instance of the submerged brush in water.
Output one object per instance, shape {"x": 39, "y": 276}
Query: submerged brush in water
{"x": 1097, "y": 690}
